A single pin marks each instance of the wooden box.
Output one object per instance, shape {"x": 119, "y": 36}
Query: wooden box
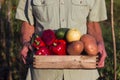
{"x": 64, "y": 62}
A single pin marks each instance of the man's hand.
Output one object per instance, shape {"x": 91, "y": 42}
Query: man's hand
{"x": 27, "y": 31}
{"x": 103, "y": 55}
{"x": 94, "y": 29}
{"x": 23, "y": 53}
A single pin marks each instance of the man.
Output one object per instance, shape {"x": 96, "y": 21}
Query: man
{"x": 84, "y": 15}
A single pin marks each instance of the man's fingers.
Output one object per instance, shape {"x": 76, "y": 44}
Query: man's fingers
{"x": 24, "y": 53}
{"x": 30, "y": 47}
{"x": 24, "y": 59}
{"x": 101, "y": 62}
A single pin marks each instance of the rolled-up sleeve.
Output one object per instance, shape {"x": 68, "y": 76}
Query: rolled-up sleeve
{"x": 24, "y": 11}
{"x": 98, "y": 11}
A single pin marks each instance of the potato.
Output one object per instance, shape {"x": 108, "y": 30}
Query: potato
{"x": 90, "y": 44}
{"x": 75, "y": 48}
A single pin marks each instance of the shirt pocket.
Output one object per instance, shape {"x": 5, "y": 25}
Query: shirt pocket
{"x": 79, "y": 10}
{"x": 43, "y": 2}
{"x": 44, "y": 10}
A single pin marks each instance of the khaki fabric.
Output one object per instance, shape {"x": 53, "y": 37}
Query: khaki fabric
{"x": 67, "y": 74}
{"x": 53, "y": 14}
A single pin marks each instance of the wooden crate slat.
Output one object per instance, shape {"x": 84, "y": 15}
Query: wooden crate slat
{"x": 62, "y": 62}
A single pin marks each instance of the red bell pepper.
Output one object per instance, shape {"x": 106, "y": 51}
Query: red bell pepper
{"x": 58, "y": 47}
{"x": 38, "y": 42}
{"x": 48, "y": 36}
{"x": 43, "y": 51}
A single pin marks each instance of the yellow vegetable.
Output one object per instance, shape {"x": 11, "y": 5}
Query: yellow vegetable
{"x": 73, "y": 35}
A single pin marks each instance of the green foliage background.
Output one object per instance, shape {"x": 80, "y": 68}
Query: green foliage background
{"x": 11, "y": 65}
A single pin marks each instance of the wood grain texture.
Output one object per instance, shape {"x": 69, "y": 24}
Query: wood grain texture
{"x": 64, "y": 62}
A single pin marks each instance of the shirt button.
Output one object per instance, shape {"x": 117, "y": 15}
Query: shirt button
{"x": 63, "y": 20}
{"x": 43, "y": 2}
{"x": 80, "y": 2}
{"x": 62, "y": 2}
